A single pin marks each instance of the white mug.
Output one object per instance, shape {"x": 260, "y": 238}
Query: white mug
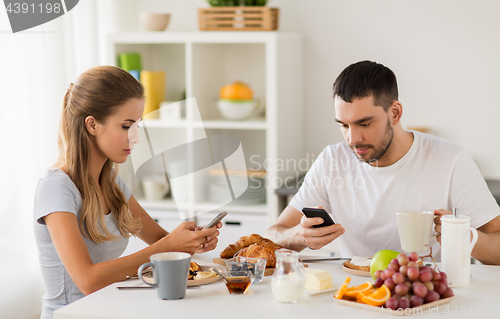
{"x": 415, "y": 228}
{"x": 456, "y": 248}
{"x": 155, "y": 187}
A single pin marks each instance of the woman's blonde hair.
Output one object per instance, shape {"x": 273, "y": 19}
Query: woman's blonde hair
{"x": 98, "y": 92}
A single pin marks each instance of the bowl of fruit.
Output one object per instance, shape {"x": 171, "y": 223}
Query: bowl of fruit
{"x": 236, "y": 101}
{"x": 404, "y": 286}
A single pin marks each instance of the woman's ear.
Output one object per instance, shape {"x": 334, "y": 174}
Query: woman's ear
{"x": 91, "y": 125}
{"x": 396, "y": 111}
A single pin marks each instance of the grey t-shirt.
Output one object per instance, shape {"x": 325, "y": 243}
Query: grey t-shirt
{"x": 56, "y": 192}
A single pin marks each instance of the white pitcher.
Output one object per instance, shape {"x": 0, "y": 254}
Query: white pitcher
{"x": 456, "y": 248}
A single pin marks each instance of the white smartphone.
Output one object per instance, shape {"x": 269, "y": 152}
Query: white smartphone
{"x": 216, "y": 220}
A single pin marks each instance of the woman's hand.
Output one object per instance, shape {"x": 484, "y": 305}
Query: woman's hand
{"x": 187, "y": 238}
{"x": 212, "y": 239}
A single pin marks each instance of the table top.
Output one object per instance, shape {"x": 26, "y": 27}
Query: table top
{"x": 479, "y": 299}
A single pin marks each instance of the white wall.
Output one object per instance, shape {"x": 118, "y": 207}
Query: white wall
{"x": 445, "y": 53}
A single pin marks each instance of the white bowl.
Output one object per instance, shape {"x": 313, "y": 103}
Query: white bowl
{"x": 154, "y": 21}
{"x": 236, "y": 110}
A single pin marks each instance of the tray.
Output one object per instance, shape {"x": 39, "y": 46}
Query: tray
{"x": 401, "y": 312}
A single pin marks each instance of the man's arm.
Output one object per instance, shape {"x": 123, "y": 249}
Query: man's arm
{"x": 294, "y": 230}
{"x": 487, "y": 248}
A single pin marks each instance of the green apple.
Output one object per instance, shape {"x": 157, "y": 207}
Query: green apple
{"x": 381, "y": 260}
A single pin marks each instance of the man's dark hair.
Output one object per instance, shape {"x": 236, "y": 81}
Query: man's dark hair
{"x": 366, "y": 78}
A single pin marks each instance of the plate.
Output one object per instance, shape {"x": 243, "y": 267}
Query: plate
{"x": 379, "y": 310}
{"x": 191, "y": 282}
{"x": 355, "y": 271}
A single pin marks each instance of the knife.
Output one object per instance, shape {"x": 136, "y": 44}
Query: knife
{"x": 324, "y": 259}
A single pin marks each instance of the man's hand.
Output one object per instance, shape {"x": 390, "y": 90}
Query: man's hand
{"x": 437, "y": 220}
{"x": 315, "y": 238}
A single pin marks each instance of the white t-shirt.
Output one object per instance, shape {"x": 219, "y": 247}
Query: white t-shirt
{"x": 433, "y": 174}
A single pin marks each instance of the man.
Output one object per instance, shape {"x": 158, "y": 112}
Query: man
{"x": 380, "y": 169}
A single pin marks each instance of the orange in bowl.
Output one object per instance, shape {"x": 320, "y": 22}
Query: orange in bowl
{"x": 236, "y": 91}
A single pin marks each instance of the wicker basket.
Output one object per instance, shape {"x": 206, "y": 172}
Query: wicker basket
{"x": 238, "y": 19}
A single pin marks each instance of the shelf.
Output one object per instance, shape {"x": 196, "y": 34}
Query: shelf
{"x": 233, "y": 208}
{"x": 258, "y": 124}
{"x": 166, "y": 204}
{"x": 165, "y": 124}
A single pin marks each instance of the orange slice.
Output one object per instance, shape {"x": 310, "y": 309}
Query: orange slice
{"x": 353, "y": 291}
{"x": 340, "y": 293}
{"x": 377, "y": 298}
{"x": 361, "y": 294}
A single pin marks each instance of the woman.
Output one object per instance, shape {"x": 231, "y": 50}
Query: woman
{"x": 84, "y": 212}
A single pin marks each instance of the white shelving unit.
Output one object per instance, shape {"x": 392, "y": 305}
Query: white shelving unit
{"x": 199, "y": 64}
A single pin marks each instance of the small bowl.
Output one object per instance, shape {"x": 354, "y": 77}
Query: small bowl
{"x": 235, "y": 110}
{"x": 154, "y": 21}
{"x": 256, "y": 266}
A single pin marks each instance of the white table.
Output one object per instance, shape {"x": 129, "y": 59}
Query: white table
{"x": 481, "y": 299}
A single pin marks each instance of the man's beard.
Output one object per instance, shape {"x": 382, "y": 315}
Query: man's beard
{"x": 380, "y": 151}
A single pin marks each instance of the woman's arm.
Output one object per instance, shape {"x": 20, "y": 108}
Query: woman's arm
{"x": 89, "y": 277}
{"x": 151, "y": 232}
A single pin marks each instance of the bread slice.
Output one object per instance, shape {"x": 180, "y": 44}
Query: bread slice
{"x": 358, "y": 263}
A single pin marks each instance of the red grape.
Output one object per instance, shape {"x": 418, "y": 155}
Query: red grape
{"x": 389, "y": 273}
{"x": 398, "y": 278}
{"x": 392, "y": 303}
{"x": 444, "y": 281}
{"x": 436, "y": 276}
{"x": 443, "y": 275}
{"x": 383, "y": 276}
{"x": 412, "y": 264}
{"x": 404, "y": 270}
{"x": 404, "y": 303}
{"x": 378, "y": 283}
{"x": 424, "y": 268}
{"x": 419, "y": 290}
{"x": 413, "y": 256}
{"x": 394, "y": 265}
{"x": 439, "y": 288}
{"x": 389, "y": 283}
{"x": 425, "y": 275}
{"x": 413, "y": 273}
{"x": 403, "y": 259}
{"x": 448, "y": 293}
{"x": 401, "y": 289}
{"x": 429, "y": 285}
{"x": 431, "y": 296}
{"x": 408, "y": 284}
{"x": 416, "y": 301}
{"x": 377, "y": 273}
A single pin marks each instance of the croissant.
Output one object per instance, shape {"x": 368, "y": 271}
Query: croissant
{"x": 261, "y": 250}
{"x": 243, "y": 242}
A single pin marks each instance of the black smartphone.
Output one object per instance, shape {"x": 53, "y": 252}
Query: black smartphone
{"x": 318, "y": 212}
{"x": 216, "y": 220}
